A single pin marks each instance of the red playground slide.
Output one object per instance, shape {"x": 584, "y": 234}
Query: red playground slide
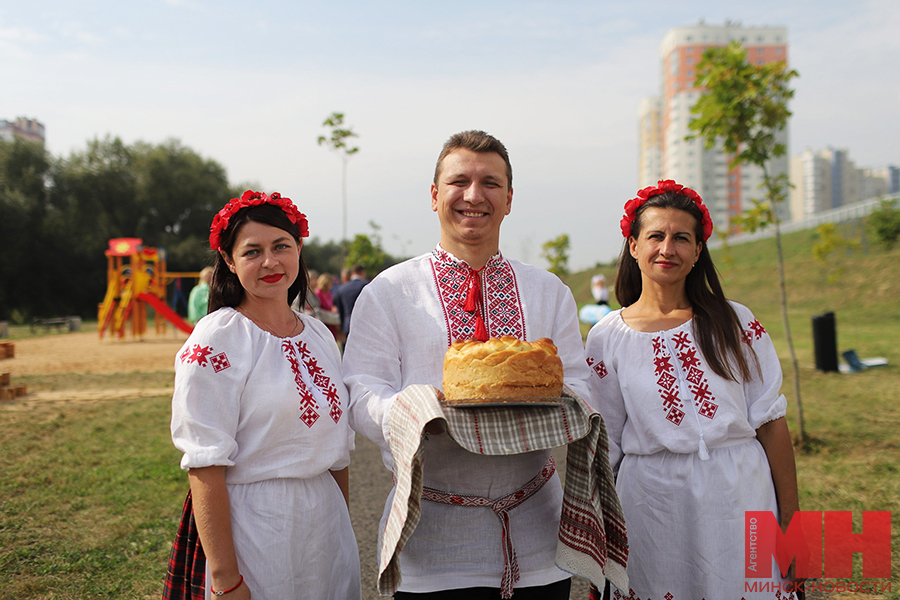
{"x": 170, "y": 315}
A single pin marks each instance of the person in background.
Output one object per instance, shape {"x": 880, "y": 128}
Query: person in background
{"x": 260, "y": 414}
{"x": 323, "y": 292}
{"x": 198, "y": 299}
{"x": 599, "y": 290}
{"x": 690, "y": 387}
{"x": 346, "y": 295}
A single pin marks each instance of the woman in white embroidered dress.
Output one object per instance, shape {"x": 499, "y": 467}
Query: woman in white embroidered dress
{"x": 259, "y": 411}
{"x": 689, "y": 386}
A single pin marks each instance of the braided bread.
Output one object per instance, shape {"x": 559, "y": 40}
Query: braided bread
{"x": 502, "y": 367}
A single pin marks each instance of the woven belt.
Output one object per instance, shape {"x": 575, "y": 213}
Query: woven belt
{"x": 501, "y": 508}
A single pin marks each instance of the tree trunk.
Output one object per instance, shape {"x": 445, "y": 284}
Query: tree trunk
{"x": 801, "y": 434}
{"x": 344, "y": 159}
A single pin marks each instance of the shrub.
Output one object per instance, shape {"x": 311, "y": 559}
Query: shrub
{"x": 885, "y": 221}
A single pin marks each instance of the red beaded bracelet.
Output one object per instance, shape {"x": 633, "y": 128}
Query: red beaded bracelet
{"x": 223, "y": 592}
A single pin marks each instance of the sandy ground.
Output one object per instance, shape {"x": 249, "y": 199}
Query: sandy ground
{"x": 85, "y": 352}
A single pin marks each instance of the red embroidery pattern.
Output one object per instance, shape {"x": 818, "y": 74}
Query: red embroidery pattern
{"x": 599, "y": 368}
{"x": 689, "y": 359}
{"x": 690, "y": 364}
{"x": 196, "y": 354}
{"x": 667, "y": 381}
{"x": 503, "y": 307}
{"x": 756, "y": 331}
{"x": 219, "y": 362}
{"x": 297, "y": 354}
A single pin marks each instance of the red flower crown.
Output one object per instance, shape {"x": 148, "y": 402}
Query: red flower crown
{"x": 251, "y": 198}
{"x": 662, "y": 187}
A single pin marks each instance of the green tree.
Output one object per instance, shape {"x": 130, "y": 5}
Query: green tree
{"x": 830, "y": 244}
{"x": 744, "y": 106}
{"x": 885, "y": 221}
{"x": 165, "y": 194}
{"x": 367, "y": 251}
{"x": 556, "y": 252}
{"x": 179, "y": 192}
{"x": 324, "y": 257}
{"x": 26, "y": 267}
{"x": 338, "y": 142}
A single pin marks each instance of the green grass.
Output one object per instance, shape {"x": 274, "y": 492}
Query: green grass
{"x": 96, "y": 381}
{"x": 852, "y": 459}
{"x": 89, "y": 498}
{"x": 25, "y": 331}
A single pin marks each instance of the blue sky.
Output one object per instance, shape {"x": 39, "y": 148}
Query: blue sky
{"x": 558, "y": 82}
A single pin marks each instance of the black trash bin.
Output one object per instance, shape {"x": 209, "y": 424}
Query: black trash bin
{"x": 825, "y": 342}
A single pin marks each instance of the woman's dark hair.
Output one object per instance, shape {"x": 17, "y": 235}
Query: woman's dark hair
{"x": 225, "y": 288}
{"x": 716, "y": 324}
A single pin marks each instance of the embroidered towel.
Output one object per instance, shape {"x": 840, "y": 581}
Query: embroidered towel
{"x": 592, "y": 538}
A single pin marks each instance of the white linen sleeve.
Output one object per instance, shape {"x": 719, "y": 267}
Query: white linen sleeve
{"x": 206, "y": 403}
{"x": 765, "y": 402}
{"x": 567, "y": 337}
{"x": 606, "y": 393}
{"x": 372, "y": 367}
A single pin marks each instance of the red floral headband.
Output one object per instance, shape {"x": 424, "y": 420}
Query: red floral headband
{"x": 251, "y": 198}
{"x": 662, "y": 187}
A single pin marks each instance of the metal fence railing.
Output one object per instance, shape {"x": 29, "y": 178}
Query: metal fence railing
{"x": 841, "y": 214}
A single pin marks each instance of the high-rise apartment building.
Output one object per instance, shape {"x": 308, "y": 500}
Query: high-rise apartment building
{"x": 726, "y": 191}
{"x": 30, "y": 129}
{"x": 829, "y": 179}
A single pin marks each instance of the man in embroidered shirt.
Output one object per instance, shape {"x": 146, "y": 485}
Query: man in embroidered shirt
{"x": 404, "y": 320}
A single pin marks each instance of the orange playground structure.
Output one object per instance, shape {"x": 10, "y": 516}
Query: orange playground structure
{"x": 137, "y": 278}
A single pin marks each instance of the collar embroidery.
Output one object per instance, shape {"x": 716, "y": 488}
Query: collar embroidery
{"x": 501, "y": 305}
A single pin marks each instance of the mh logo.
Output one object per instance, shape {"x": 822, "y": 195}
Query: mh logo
{"x": 823, "y": 544}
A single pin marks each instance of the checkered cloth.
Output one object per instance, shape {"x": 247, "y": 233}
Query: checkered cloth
{"x": 186, "y": 575}
{"x": 592, "y": 539}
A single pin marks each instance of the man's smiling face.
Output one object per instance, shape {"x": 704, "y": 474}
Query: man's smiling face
{"x": 471, "y": 197}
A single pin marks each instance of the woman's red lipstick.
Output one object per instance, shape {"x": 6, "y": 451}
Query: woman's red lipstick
{"x": 273, "y": 278}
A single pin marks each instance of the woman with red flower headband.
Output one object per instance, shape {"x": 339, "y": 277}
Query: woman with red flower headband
{"x": 689, "y": 386}
{"x": 259, "y": 411}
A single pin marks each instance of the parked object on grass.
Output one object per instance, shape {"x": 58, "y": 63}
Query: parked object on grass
{"x": 855, "y": 364}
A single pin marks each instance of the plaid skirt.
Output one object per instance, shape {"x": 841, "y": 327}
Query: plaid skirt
{"x": 186, "y": 575}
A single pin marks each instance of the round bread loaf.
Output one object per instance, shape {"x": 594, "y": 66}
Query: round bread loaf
{"x": 503, "y": 367}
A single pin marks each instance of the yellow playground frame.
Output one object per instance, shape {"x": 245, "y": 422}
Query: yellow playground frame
{"x": 137, "y": 277}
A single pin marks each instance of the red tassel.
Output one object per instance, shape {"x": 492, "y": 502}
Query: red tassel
{"x": 471, "y": 301}
{"x": 473, "y": 304}
{"x": 481, "y": 333}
